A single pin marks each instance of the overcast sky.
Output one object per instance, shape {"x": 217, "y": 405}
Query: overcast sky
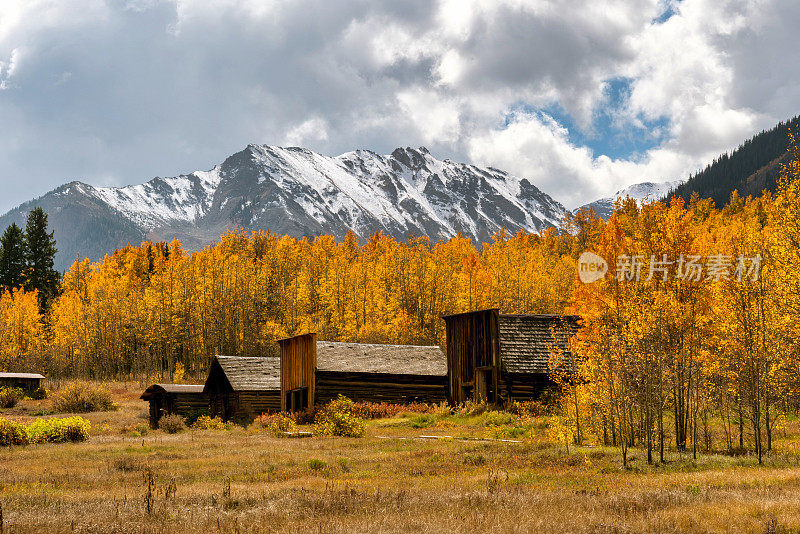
{"x": 581, "y": 97}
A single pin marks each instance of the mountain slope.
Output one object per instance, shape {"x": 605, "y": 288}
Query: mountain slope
{"x": 644, "y": 191}
{"x": 297, "y": 192}
{"x": 752, "y": 168}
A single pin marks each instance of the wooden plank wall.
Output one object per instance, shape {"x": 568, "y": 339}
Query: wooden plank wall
{"x": 524, "y": 387}
{"x": 473, "y": 341}
{"x": 373, "y": 387}
{"x": 298, "y": 365}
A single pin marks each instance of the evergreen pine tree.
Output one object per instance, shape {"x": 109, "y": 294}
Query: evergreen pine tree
{"x": 40, "y": 252}
{"x": 12, "y": 258}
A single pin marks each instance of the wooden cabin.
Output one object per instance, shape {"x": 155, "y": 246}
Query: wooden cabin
{"x": 169, "y": 399}
{"x": 241, "y": 388}
{"x": 316, "y": 372}
{"x": 23, "y": 381}
{"x": 494, "y": 357}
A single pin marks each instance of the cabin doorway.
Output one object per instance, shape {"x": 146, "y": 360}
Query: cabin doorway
{"x": 297, "y": 399}
{"x": 484, "y": 380}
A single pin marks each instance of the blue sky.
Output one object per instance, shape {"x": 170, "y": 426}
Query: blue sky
{"x": 581, "y": 98}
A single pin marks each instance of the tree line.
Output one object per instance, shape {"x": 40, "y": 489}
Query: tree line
{"x": 660, "y": 363}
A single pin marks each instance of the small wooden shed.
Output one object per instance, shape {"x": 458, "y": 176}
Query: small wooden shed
{"x": 316, "y": 372}
{"x": 168, "y": 399}
{"x": 241, "y": 388}
{"x": 496, "y": 357}
{"x": 24, "y": 381}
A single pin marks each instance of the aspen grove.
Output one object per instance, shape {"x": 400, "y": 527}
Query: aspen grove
{"x": 663, "y": 362}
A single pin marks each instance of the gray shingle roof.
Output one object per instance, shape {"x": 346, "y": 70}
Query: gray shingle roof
{"x": 171, "y": 388}
{"x": 20, "y": 375}
{"x": 252, "y": 374}
{"x": 377, "y": 358}
{"x": 526, "y": 340}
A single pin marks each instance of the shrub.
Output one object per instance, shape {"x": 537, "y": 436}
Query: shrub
{"x": 12, "y": 433}
{"x": 277, "y": 424}
{"x": 473, "y": 408}
{"x": 55, "y": 430}
{"x": 172, "y": 424}
{"x": 39, "y": 393}
{"x": 82, "y": 398}
{"x": 316, "y": 465}
{"x": 9, "y": 397}
{"x": 337, "y": 419}
{"x": 306, "y": 416}
{"x": 194, "y": 414}
{"x": 205, "y": 422}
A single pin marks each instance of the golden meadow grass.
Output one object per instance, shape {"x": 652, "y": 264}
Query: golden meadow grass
{"x": 250, "y": 481}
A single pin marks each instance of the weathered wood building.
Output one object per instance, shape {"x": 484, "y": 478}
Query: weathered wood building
{"x": 24, "y": 381}
{"x": 241, "y": 388}
{"x": 315, "y": 372}
{"x": 169, "y": 399}
{"x": 495, "y": 357}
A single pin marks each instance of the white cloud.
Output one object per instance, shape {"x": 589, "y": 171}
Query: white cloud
{"x": 128, "y": 90}
{"x": 313, "y": 129}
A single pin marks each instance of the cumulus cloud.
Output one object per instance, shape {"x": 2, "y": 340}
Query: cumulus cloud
{"x": 118, "y": 92}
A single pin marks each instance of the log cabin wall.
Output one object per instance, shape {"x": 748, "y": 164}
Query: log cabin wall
{"x": 241, "y": 388}
{"x": 473, "y": 356}
{"x": 298, "y": 363}
{"x": 374, "y": 387}
{"x": 179, "y": 399}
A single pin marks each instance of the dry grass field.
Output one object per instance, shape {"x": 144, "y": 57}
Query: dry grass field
{"x": 391, "y": 480}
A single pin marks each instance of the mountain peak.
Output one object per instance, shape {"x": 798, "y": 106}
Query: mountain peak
{"x": 297, "y": 192}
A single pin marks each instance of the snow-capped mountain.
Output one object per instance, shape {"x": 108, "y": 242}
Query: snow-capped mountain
{"x": 645, "y": 191}
{"x": 297, "y": 192}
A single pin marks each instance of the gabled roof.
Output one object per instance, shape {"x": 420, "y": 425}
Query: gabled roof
{"x": 382, "y": 359}
{"x": 21, "y": 375}
{"x": 527, "y": 340}
{"x": 250, "y": 373}
{"x": 171, "y": 388}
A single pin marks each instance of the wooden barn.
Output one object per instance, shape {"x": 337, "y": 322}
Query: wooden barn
{"x": 496, "y": 357}
{"x": 315, "y": 372}
{"x": 241, "y": 388}
{"x": 168, "y": 399}
{"x": 24, "y": 381}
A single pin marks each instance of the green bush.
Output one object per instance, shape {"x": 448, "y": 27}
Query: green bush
{"x": 172, "y": 424}
{"x": 337, "y": 419}
{"x": 316, "y": 465}
{"x": 12, "y": 433}
{"x": 83, "y": 398}
{"x": 9, "y": 397}
{"x": 55, "y": 430}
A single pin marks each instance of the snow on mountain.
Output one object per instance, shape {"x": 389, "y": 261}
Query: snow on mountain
{"x": 298, "y": 192}
{"x": 645, "y": 191}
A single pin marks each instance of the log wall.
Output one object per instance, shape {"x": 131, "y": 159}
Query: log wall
{"x": 371, "y": 387}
